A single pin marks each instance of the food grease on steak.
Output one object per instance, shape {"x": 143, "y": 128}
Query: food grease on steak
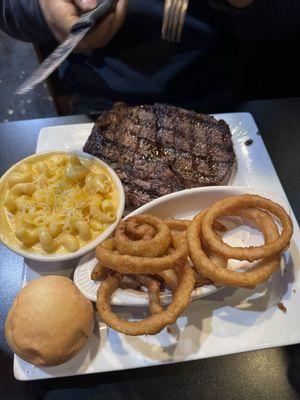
{"x": 161, "y": 149}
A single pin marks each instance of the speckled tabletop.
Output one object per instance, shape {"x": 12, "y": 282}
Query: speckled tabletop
{"x": 17, "y": 61}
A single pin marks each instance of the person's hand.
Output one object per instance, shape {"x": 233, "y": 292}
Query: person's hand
{"x": 61, "y": 15}
{"x": 240, "y": 3}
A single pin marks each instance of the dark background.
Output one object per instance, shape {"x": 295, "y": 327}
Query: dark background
{"x": 267, "y": 70}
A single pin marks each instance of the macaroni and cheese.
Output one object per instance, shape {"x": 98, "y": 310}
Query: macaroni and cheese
{"x": 56, "y": 203}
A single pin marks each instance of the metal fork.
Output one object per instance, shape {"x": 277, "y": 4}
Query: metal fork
{"x": 174, "y": 17}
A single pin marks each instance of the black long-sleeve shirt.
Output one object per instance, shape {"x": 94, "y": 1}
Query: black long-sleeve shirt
{"x": 137, "y": 66}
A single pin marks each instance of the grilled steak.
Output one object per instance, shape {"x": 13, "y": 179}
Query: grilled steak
{"x": 160, "y": 149}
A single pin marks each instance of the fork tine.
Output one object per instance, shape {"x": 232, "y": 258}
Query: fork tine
{"x": 184, "y": 8}
{"x": 176, "y": 18}
{"x": 167, "y": 7}
{"x": 171, "y": 19}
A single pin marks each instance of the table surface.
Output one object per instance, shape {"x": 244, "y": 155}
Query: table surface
{"x": 266, "y": 374}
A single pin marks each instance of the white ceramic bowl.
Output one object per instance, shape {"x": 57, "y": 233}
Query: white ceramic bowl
{"x": 183, "y": 205}
{"x": 91, "y": 245}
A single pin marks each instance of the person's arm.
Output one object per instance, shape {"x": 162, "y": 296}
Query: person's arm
{"x": 61, "y": 15}
{"x": 41, "y": 21}
{"x": 24, "y": 20}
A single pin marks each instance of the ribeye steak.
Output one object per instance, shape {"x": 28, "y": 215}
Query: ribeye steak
{"x": 158, "y": 149}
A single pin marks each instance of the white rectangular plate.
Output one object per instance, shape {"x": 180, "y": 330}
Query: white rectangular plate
{"x": 230, "y": 321}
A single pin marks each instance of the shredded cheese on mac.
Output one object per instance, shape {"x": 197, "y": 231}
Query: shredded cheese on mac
{"x": 59, "y": 202}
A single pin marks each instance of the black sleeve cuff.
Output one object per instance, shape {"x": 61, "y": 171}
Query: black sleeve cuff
{"x": 24, "y": 20}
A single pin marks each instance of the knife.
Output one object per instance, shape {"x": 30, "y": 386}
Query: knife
{"x": 85, "y": 23}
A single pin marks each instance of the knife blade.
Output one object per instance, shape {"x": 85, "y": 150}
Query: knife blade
{"x": 85, "y": 23}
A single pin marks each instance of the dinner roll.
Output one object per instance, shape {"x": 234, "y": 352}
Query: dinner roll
{"x": 49, "y": 321}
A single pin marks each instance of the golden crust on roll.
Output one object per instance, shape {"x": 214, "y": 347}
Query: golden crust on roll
{"x": 49, "y": 322}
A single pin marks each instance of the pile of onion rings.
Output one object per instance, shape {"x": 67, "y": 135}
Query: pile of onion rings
{"x": 151, "y": 253}
{"x": 201, "y": 236}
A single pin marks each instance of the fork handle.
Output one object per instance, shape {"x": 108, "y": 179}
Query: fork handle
{"x": 93, "y": 17}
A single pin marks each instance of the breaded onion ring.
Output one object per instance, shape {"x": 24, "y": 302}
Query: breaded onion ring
{"x": 201, "y": 280}
{"x": 219, "y": 275}
{"x": 182, "y": 225}
{"x": 228, "y": 206}
{"x": 154, "y": 323}
{"x": 154, "y": 299}
{"x": 170, "y": 278}
{"x": 99, "y": 272}
{"x": 128, "y": 264}
{"x": 143, "y": 280}
{"x": 140, "y": 231}
{"x": 216, "y": 258}
{"x": 130, "y": 283}
{"x": 155, "y": 247}
{"x": 218, "y": 226}
{"x": 179, "y": 225}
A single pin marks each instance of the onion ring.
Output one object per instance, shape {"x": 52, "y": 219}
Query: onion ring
{"x": 180, "y": 225}
{"x": 170, "y": 278}
{"x": 201, "y": 280}
{"x": 130, "y": 283}
{"x": 99, "y": 272}
{"x": 219, "y": 275}
{"x": 154, "y": 299}
{"x": 140, "y": 231}
{"x": 109, "y": 244}
{"x": 154, "y": 323}
{"x": 218, "y": 226}
{"x": 143, "y": 280}
{"x": 229, "y": 205}
{"x": 128, "y": 264}
{"x": 217, "y": 258}
{"x": 155, "y": 247}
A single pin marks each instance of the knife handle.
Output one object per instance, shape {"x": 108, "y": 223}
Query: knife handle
{"x": 94, "y": 16}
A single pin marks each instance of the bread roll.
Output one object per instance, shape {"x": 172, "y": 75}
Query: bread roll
{"x": 49, "y": 321}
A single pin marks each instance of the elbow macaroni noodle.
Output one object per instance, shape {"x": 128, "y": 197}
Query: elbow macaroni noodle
{"x": 58, "y": 203}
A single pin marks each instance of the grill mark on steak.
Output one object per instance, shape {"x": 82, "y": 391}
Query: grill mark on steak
{"x": 149, "y": 188}
{"x": 161, "y": 149}
{"x": 157, "y": 130}
{"x": 167, "y": 151}
{"x": 192, "y": 147}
